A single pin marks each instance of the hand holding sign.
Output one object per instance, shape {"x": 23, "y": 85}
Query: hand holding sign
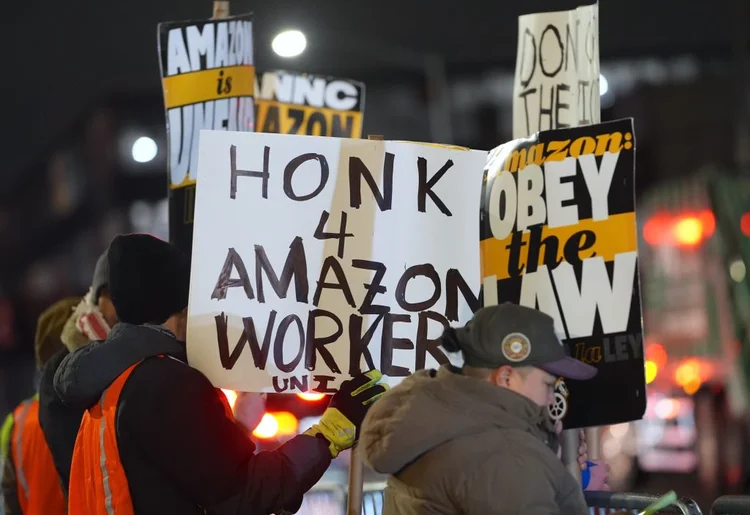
{"x": 342, "y": 419}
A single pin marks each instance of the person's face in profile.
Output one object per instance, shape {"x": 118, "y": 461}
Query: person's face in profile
{"x": 533, "y": 383}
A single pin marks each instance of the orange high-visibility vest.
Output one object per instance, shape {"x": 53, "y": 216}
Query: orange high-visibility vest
{"x": 39, "y": 488}
{"x": 98, "y": 484}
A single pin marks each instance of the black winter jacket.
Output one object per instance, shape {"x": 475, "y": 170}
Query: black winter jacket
{"x": 180, "y": 452}
{"x": 59, "y": 422}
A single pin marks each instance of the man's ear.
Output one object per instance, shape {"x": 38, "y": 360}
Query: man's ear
{"x": 501, "y": 376}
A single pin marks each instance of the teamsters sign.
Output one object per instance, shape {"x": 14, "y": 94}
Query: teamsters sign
{"x": 315, "y": 258}
{"x": 558, "y": 232}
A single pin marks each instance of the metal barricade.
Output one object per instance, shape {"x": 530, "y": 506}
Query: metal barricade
{"x": 330, "y": 499}
{"x": 607, "y": 502}
{"x": 324, "y": 499}
{"x": 372, "y": 500}
{"x": 731, "y": 505}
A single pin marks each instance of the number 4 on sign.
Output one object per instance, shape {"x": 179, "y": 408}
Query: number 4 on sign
{"x": 320, "y": 233}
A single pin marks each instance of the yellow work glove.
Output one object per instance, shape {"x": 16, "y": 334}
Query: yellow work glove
{"x": 342, "y": 419}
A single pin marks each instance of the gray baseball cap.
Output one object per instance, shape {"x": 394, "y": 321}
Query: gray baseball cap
{"x": 509, "y": 334}
{"x": 101, "y": 275}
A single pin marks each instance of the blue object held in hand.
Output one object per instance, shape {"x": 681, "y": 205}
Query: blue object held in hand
{"x": 586, "y": 474}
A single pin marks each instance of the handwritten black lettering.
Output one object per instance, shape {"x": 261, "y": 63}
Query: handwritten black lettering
{"x": 425, "y": 187}
{"x": 331, "y": 263}
{"x": 455, "y": 282}
{"x": 389, "y": 344}
{"x": 358, "y": 170}
{"x": 359, "y": 343}
{"x": 225, "y": 281}
{"x": 295, "y": 265}
{"x": 317, "y": 344}
{"x": 279, "y": 343}
{"x": 429, "y": 345}
{"x": 235, "y": 173}
{"x": 322, "y": 384}
{"x": 320, "y": 234}
{"x": 373, "y": 288}
{"x": 424, "y": 270}
{"x": 556, "y": 33}
{"x": 292, "y": 167}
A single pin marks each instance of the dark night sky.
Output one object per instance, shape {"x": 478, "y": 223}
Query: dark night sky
{"x": 60, "y": 55}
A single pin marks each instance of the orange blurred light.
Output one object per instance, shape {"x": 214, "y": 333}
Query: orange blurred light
{"x": 267, "y": 428}
{"x": 688, "y": 231}
{"x": 311, "y": 397}
{"x": 656, "y": 353}
{"x": 708, "y": 221}
{"x": 651, "y": 370}
{"x": 273, "y": 424}
{"x": 688, "y": 372}
{"x": 745, "y": 224}
{"x": 692, "y": 386}
{"x": 654, "y": 229}
{"x": 231, "y": 396}
{"x": 288, "y": 423}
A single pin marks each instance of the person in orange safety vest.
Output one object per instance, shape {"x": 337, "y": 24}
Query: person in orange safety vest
{"x": 157, "y": 436}
{"x": 31, "y": 485}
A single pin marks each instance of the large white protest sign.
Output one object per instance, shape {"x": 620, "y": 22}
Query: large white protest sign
{"x": 316, "y": 258}
{"x": 557, "y": 71}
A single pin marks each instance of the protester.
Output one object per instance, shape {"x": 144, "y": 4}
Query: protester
{"x": 479, "y": 440}
{"x": 158, "y": 437}
{"x": 91, "y": 320}
{"x": 30, "y": 483}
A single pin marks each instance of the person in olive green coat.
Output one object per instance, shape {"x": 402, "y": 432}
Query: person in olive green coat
{"x": 479, "y": 440}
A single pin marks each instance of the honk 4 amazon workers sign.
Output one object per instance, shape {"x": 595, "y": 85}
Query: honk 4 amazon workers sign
{"x": 313, "y": 105}
{"x": 318, "y": 258}
{"x": 208, "y": 78}
{"x": 558, "y": 233}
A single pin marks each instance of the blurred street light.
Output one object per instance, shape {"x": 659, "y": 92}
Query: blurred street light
{"x": 603, "y": 85}
{"x": 289, "y": 43}
{"x": 144, "y": 150}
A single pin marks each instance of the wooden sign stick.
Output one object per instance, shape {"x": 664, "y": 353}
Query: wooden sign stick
{"x": 356, "y": 464}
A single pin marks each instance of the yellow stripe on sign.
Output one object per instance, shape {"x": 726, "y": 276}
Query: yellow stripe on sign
{"x": 282, "y": 118}
{"x": 187, "y": 181}
{"x": 615, "y": 235}
{"x": 204, "y": 85}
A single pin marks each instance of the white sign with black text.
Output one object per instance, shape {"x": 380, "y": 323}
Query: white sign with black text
{"x": 316, "y": 258}
{"x": 557, "y": 71}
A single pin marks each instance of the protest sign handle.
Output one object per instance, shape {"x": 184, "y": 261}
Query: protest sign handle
{"x": 356, "y": 465}
{"x": 569, "y": 444}
{"x": 593, "y": 442}
{"x": 221, "y": 9}
{"x": 356, "y": 483}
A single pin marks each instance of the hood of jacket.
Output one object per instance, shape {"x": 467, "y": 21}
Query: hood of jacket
{"x": 431, "y": 408}
{"x": 84, "y": 374}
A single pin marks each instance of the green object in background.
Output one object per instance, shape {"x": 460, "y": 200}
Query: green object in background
{"x": 662, "y": 502}
{"x": 5, "y": 431}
